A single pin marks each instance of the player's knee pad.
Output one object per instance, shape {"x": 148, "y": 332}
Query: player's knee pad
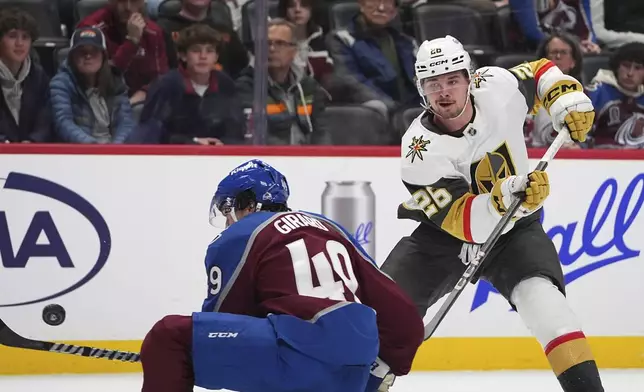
{"x": 544, "y": 310}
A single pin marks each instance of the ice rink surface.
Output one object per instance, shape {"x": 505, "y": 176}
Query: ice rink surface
{"x": 497, "y": 381}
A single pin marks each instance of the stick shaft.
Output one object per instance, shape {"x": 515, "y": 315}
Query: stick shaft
{"x": 471, "y": 269}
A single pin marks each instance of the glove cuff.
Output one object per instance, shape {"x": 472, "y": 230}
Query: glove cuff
{"x": 558, "y": 89}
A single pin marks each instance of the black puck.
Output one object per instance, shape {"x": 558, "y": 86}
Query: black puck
{"x": 53, "y": 314}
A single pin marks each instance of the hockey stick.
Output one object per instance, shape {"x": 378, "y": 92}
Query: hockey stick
{"x": 11, "y": 339}
{"x": 474, "y": 265}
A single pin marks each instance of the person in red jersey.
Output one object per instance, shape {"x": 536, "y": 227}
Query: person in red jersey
{"x": 294, "y": 304}
{"x": 135, "y": 44}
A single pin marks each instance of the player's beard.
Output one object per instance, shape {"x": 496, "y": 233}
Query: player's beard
{"x": 454, "y": 108}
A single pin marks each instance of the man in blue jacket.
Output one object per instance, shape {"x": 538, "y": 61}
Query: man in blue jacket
{"x": 375, "y": 60}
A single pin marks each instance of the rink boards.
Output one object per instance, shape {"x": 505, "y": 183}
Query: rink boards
{"x": 117, "y": 236}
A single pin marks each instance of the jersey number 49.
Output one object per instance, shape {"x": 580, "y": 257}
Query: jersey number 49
{"x": 338, "y": 261}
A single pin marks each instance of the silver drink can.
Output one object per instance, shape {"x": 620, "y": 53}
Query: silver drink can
{"x": 352, "y": 204}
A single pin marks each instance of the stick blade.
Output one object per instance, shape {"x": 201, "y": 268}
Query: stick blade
{"x": 11, "y": 339}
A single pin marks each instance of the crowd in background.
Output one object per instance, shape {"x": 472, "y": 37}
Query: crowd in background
{"x": 340, "y": 72}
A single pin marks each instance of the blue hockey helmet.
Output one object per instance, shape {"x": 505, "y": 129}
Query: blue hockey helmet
{"x": 268, "y": 185}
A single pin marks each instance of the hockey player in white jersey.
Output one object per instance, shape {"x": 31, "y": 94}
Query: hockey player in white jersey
{"x": 463, "y": 159}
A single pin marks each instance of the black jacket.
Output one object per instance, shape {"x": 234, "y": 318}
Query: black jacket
{"x": 35, "y": 114}
{"x": 174, "y": 113}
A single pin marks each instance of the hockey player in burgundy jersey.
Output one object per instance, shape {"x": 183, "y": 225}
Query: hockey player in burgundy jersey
{"x": 293, "y": 304}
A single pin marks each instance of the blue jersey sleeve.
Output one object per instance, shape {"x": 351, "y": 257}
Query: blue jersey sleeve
{"x": 226, "y": 256}
{"x": 222, "y": 260}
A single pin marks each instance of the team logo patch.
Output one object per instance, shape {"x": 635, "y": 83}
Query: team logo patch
{"x": 416, "y": 148}
{"x": 481, "y": 77}
{"x": 494, "y": 166}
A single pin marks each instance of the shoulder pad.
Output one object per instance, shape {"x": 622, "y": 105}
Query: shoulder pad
{"x": 495, "y": 77}
{"x": 426, "y": 157}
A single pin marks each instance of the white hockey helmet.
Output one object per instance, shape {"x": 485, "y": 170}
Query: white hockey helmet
{"x": 440, "y": 56}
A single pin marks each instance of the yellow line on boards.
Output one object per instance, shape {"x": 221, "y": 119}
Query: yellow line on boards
{"x": 520, "y": 353}
{"x": 436, "y": 354}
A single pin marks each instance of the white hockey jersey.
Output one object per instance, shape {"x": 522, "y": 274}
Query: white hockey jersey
{"x": 450, "y": 176}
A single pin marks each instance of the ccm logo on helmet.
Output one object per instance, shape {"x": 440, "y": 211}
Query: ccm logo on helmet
{"x": 435, "y": 63}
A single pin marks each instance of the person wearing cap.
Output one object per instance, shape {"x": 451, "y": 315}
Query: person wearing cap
{"x": 618, "y": 95}
{"x": 89, "y": 99}
{"x": 135, "y": 44}
{"x": 24, "y": 98}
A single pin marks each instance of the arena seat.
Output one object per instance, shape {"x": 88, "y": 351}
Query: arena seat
{"x": 85, "y": 8}
{"x": 169, "y": 8}
{"x": 511, "y": 59}
{"x": 248, "y": 19}
{"x": 47, "y": 16}
{"x": 437, "y": 20}
{"x": 592, "y": 64}
{"x": 354, "y": 125}
{"x": 410, "y": 115}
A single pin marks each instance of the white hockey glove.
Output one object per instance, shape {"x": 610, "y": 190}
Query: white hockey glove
{"x": 568, "y": 105}
{"x": 533, "y": 192}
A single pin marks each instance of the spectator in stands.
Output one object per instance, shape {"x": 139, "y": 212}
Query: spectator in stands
{"x": 537, "y": 18}
{"x": 618, "y": 97}
{"x": 295, "y": 101}
{"x": 376, "y": 61}
{"x": 609, "y": 37}
{"x": 24, "y": 102}
{"x": 194, "y": 104}
{"x": 135, "y": 44}
{"x": 89, "y": 99}
{"x": 233, "y": 57}
{"x": 563, "y": 50}
{"x": 312, "y": 56}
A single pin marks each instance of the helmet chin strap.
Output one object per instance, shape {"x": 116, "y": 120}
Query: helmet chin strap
{"x": 233, "y": 215}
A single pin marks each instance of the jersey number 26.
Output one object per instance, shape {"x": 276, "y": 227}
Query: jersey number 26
{"x": 340, "y": 263}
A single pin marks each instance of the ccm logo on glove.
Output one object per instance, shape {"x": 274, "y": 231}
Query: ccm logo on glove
{"x": 558, "y": 89}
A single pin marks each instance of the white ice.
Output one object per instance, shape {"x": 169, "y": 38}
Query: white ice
{"x": 493, "y": 381}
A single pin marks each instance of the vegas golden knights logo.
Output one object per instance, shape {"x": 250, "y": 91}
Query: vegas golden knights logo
{"x": 494, "y": 166}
